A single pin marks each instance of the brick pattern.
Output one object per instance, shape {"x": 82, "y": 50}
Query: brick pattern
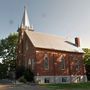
{"x": 54, "y": 63}
{"x": 23, "y": 54}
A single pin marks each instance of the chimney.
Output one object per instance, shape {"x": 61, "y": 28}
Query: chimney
{"x": 77, "y": 41}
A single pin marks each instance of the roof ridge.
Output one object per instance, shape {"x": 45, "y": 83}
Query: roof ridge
{"x": 54, "y": 35}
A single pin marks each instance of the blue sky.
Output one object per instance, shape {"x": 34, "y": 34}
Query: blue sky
{"x": 67, "y": 18}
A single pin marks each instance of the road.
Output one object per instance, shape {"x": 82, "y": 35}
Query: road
{"x": 6, "y": 84}
{"x": 10, "y": 85}
{"x": 4, "y": 87}
{"x": 22, "y": 87}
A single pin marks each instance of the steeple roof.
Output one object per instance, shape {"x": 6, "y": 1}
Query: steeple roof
{"x": 25, "y": 20}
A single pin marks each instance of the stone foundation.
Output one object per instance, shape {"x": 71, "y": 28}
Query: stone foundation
{"x": 61, "y": 79}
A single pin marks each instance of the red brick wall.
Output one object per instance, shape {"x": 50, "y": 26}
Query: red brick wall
{"x": 30, "y": 53}
{"x": 20, "y": 48}
{"x": 25, "y": 54}
{"x": 54, "y": 63}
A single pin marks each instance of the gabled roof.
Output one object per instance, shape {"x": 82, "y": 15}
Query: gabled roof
{"x": 46, "y": 41}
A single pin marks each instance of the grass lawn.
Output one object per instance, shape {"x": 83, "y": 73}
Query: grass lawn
{"x": 68, "y": 86}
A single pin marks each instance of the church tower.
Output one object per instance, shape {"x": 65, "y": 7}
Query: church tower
{"x": 25, "y": 25}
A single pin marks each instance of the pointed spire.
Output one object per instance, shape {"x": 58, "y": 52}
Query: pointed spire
{"x": 25, "y": 20}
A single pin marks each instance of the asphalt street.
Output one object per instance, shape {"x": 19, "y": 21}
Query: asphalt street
{"x": 22, "y": 87}
{"x": 6, "y": 84}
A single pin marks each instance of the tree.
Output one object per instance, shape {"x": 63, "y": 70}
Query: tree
{"x": 87, "y": 61}
{"x": 87, "y": 56}
{"x": 8, "y": 50}
{"x": 8, "y": 55}
{"x": 3, "y": 69}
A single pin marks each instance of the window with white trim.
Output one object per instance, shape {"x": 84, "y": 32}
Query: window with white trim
{"x": 46, "y": 62}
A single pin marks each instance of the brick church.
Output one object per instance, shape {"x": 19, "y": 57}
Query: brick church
{"x": 51, "y": 58}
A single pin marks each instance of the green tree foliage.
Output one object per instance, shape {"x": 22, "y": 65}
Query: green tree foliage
{"x": 87, "y": 56}
{"x": 3, "y": 69}
{"x": 8, "y": 50}
{"x": 87, "y": 61}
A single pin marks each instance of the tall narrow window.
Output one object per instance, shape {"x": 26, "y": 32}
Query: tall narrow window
{"x": 25, "y": 63}
{"x": 62, "y": 63}
{"x": 33, "y": 64}
{"x": 29, "y": 62}
{"x": 26, "y": 45}
{"x": 78, "y": 65}
{"x": 46, "y": 62}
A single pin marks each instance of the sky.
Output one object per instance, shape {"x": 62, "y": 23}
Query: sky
{"x": 67, "y": 18}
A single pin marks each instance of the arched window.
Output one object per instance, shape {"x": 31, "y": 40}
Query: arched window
{"x": 46, "y": 62}
{"x": 27, "y": 45}
{"x": 62, "y": 63}
{"x": 78, "y": 65}
{"x": 31, "y": 62}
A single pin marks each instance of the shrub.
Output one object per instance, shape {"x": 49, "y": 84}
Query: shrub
{"x": 20, "y": 71}
{"x": 22, "y": 79}
{"x": 28, "y": 75}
